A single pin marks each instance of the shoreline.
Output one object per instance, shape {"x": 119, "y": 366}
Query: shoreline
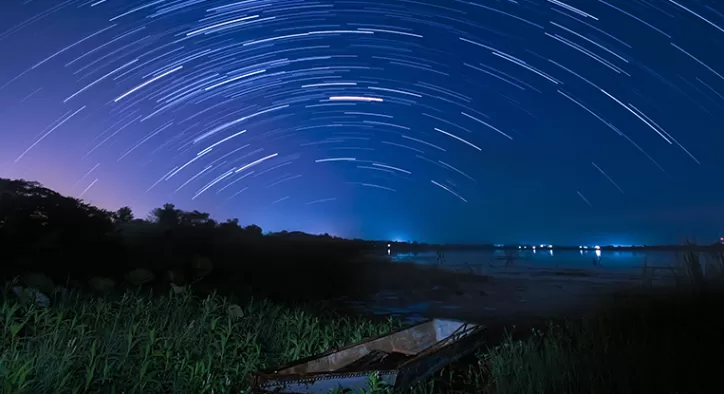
{"x": 506, "y": 295}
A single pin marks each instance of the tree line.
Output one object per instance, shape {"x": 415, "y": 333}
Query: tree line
{"x": 62, "y": 236}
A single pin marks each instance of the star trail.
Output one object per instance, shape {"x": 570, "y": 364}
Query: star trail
{"x": 439, "y": 120}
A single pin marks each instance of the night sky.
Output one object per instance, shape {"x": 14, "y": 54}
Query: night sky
{"x": 584, "y": 121}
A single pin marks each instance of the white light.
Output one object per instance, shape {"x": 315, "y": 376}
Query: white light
{"x": 356, "y": 98}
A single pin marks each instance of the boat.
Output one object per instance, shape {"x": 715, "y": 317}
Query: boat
{"x": 397, "y": 360}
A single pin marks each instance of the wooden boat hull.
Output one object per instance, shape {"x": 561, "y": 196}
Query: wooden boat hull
{"x": 358, "y": 382}
{"x": 428, "y": 345}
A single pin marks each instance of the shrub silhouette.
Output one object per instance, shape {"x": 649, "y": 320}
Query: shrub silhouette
{"x": 64, "y": 237}
{"x": 42, "y": 227}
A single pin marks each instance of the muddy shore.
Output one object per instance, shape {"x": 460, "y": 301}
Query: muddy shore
{"x": 489, "y": 295}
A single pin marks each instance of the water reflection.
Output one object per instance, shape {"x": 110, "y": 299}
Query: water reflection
{"x": 576, "y": 258}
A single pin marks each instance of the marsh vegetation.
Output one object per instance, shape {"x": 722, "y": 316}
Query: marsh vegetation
{"x": 182, "y": 303}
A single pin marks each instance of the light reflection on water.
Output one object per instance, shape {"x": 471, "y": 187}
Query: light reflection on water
{"x": 546, "y": 258}
{"x": 605, "y": 266}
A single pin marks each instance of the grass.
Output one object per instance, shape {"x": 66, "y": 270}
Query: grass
{"x": 182, "y": 344}
{"x": 176, "y": 344}
{"x": 645, "y": 343}
{"x": 651, "y": 341}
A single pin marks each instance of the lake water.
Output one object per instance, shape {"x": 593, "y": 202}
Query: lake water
{"x": 523, "y": 282}
{"x": 483, "y": 261}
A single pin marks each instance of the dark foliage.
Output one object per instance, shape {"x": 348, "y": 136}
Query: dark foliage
{"x": 40, "y": 228}
{"x": 63, "y": 237}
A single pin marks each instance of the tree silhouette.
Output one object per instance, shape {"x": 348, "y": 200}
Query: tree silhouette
{"x": 167, "y": 216}
{"x": 253, "y": 230}
{"x": 44, "y": 231}
{"x": 230, "y": 226}
{"x": 123, "y": 215}
{"x": 39, "y": 222}
{"x": 195, "y": 219}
